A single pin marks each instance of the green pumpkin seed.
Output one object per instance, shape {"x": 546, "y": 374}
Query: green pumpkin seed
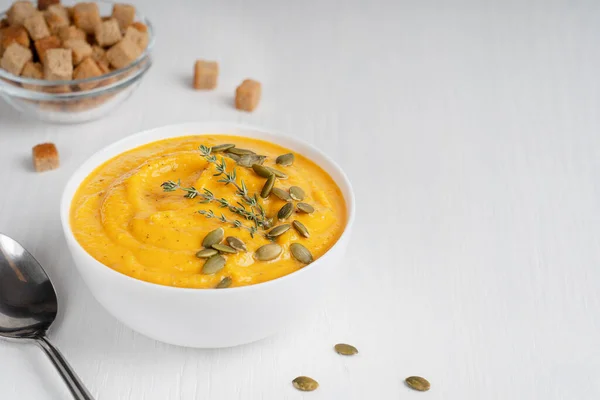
{"x": 225, "y": 283}
{"x": 213, "y": 237}
{"x": 282, "y": 194}
{"x": 418, "y": 383}
{"x": 223, "y": 248}
{"x": 234, "y": 157}
{"x": 345, "y": 349}
{"x": 236, "y": 243}
{"x": 301, "y": 253}
{"x": 262, "y": 171}
{"x": 266, "y": 190}
{"x": 279, "y": 230}
{"x": 285, "y": 211}
{"x": 299, "y": 226}
{"x": 206, "y": 253}
{"x": 222, "y": 147}
{"x": 268, "y": 252}
{"x": 305, "y": 208}
{"x": 268, "y": 223}
{"x": 278, "y": 173}
{"x": 297, "y": 193}
{"x": 213, "y": 265}
{"x": 248, "y": 160}
{"x": 285, "y": 159}
{"x": 240, "y": 152}
{"x": 305, "y": 384}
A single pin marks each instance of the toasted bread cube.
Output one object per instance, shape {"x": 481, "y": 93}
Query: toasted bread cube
{"x": 71, "y": 32}
{"x": 36, "y": 26}
{"x": 13, "y": 34}
{"x": 138, "y": 37}
{"x": 81, "y": 49}
{"x": 50, "y": 42}
{"x": 247, "y": 95}
{"x": 32, "y": 70}
{"x": 140, "y": 27}
{"x": 123, "y": 53}
{"x": 60, "y": 10}
{"x": 56, "y": 18}
{"x": 99, "y": 55}
{"x": 206, "y": 74}
{"x": 15, "y": 57}
{"x": 44, "y": 4}
{"x": 45, "y": 157}
{"x": 87, "y": 69}
{"x": 108, "y": 33}
{"x": 19, "y": 12}
{"x": 86, "y": 16}
{"x": 58, "y": 65}
{"x": 124, "y": 14}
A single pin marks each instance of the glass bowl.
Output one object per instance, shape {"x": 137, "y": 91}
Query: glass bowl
{"x": 82, "y": 100}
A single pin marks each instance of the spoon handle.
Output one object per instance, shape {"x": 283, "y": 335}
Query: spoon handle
{"x": 75, "y": 385}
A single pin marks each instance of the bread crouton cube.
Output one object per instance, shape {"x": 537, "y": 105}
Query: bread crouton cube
{"x": 81, "y": 49}
{"x": 19, "y": 12}
{"x": 45, "y": 157}
{"x": 206, "y": 74}
{"x": 138, "y": 37}
{"x": 71, "y": 32}
{"x": 123, "y": 53}
{"x": 124, "y": 14}
{"x": 15, "y": 57}
{"x": 86, "y": 16}
{"x": 87, "y": 69}
{"x": 58, "y": 65}
{"x": 50, "y": 42}
{"x": 99, "y": 55}
{"x": 140, "y": 27}
{"x": 56, "y": 21}
{"x": 108, "y": 33}
{"x": 44, "y": 4}
{"x": 247, "y": 95}
{"x": 58, "y": 9}
{"x": 13, "y": 34}
{"x": 36, "y": 26}
{"x": 32, "y": 70}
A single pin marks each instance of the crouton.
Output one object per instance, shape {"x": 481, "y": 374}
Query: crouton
{"x": 15, "y": 57}
{"x": 81, "y": 49}
{"x": 55, "y": 22}
{"x": 138, "y": 37}
{"x": 247, "y": 95}
{"x": 32, "y": 70}
{"x": 59, "y": 10}
{"x": 87, "y": 69}
{"x": 13, "y": 34}
{"x": 140, "y": 27}
{"x": 71, "y": 32}
{"x": 99, "y": 55}
{"x": 45, "y": 157}
{"x": 58, "y": 65}
{"x": 36, "y": 26}
{"x": 123, "y": 53}
{"x": 50, "y": 42}
{"x": 86, "y": 16}
{"x": 44, "y": 4}
{"x": 124, "y": 14}
{"x": 19, "y": 12}
{"x": 206, "y": 74}
{"x": 108, "y": 33}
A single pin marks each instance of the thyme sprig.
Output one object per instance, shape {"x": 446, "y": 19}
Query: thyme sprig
{"x": 234, "y": 222}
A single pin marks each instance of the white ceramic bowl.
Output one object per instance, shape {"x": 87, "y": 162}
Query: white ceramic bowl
{"x": 208, "y": 318}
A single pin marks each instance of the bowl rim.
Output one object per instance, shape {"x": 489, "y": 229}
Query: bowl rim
{"x": 202, "y": 128}
{"x": 7, "y": 76}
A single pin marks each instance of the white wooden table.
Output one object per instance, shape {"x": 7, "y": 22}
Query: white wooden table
{"x": 472, "y": 136}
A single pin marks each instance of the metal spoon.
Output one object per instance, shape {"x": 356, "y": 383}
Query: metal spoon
{"x": 28, "y": 307}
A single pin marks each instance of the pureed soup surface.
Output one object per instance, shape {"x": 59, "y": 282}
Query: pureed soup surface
{"x": 124, "y": 218}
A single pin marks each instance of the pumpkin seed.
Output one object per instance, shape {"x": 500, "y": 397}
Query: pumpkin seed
{"x": 345, "y": 349}
{"x": 301, "y": 253}
{"x": 305, "y": 384}
{"x": 240, "y": 152}
{"x": 299, "y": 226}
{"x": 279, "y": 230}
{"x": 285, "y": 211}
{"x": 278, "y": 173}
{"x": 234, "y": 157}
{"x": 285, "y": 159}
{"x": 268, "y": 223}
{"x": 222, "y": 147}
{"x": 262, "y": 171}
{"x": 306, "y": 208}
{"x": 266, "y": 190}
{"x": 223, "y": 248}
{"x": 282, "y": 194}
{"x": 418, "y": 383}
{"x": 297, "y": 193}
{"x": 225, "y": 283}
{"x": 213, "y": 237}
{"x": 268, "y": 252}
{"x": 213, "y": 265}
{"x": 206, "y": 253}
{"x": 236, "y": 243}
{"x": 248, "y": 160}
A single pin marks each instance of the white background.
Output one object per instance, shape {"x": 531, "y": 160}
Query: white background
{"x": 471, "y": 132}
